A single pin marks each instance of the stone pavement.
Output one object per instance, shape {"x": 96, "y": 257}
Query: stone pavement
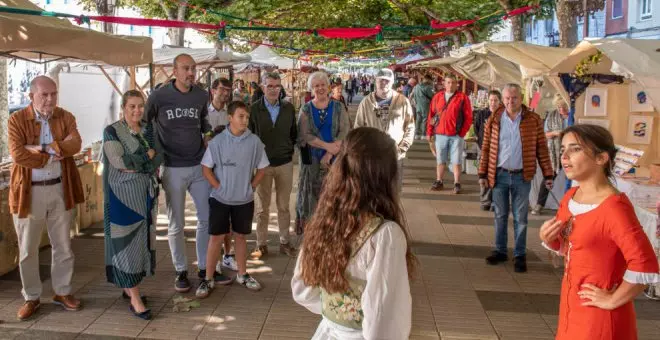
{"x": 455, "y": 294}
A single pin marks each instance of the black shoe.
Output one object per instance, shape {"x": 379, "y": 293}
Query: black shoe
{"x": 126, "y": 297}
{"x": 485, "y": 207}
{"x": 457, "y": 188}
{"x": 437, "y": 186}
{"x": 182, "y": 284}
{"x": 218, "y": 278}
{"x": 496, "y": 257}
{"x": 520, "y": 264}
{"x": 146, "y": 315}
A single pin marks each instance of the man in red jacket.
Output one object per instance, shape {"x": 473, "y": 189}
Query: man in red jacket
{"x": 450, "y": 118}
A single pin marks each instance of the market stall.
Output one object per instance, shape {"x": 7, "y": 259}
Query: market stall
{"x": 615, "y": 83}
{"x": 494, "y": 64}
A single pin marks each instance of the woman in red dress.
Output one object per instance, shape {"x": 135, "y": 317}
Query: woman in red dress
{"x": 608, "y": 260}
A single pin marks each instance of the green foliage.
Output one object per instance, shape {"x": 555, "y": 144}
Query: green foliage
{"x": 326, "y": 13}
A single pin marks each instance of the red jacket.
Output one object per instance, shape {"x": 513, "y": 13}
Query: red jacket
{"x": 456, "y": 118}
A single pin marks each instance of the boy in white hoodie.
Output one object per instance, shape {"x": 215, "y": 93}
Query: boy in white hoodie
{"x": 228, "y": 165}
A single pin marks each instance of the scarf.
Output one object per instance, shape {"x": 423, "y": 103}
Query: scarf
{"x": 323, "y": 122}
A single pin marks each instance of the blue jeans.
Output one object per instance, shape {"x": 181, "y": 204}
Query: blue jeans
{"x": 511, "y": 186}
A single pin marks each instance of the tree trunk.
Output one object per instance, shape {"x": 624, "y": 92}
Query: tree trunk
{"x": 176, "y": 35}
{"x": 4, "y": 108}
{"x": 470, "y": 37}
{"x": 516, "y": 21}
{"x": 567, "y": 24}
{"x": 103, "y": 8}
{"x": 456, "y": 38}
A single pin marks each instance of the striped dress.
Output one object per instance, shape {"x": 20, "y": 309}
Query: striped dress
{"x": 130, "y": 203}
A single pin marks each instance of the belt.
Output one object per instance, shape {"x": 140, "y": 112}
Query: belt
{"x": 53, "y": 181}
{"x": 511, "y": 171}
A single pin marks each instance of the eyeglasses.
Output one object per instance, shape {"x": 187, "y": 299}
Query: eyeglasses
{"x": 273, "y": 87}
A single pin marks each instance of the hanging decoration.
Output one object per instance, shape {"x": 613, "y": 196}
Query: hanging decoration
{"x": 583, "y": 67}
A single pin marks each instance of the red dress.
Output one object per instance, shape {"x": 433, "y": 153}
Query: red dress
{"x": 602, "y": 245}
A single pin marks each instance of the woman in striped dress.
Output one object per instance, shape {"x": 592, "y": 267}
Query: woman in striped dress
{"x": 131, "y": 156}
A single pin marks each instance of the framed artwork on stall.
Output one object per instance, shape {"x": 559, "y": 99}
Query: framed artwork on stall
{"x": 595, "y": 102}
{"x": 600, "y": 122}
{"x": 639, "y": 99}
{"x": 640, "y": 129}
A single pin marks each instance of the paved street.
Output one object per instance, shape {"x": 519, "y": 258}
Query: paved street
{"x": 455, "y": 294}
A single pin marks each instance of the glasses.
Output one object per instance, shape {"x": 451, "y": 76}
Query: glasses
{"x": 273, "y": 87}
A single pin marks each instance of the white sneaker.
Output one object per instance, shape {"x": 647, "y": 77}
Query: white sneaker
{"x": 205, "y": 288}
{"x": 248, "y": 282}
{"x": 229, "y": 262}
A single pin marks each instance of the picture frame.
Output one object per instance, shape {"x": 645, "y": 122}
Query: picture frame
{"x": 595, "y": 102}
{"x": 639, "y": 99}
{"x": 640, "y": 129}
{"x": 600, "y": 122}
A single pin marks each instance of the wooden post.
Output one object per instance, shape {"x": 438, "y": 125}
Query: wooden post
{"x": 112, "y": 82}
{"x": 133, "y": 80}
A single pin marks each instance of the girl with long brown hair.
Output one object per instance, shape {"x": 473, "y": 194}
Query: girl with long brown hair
{"x": 355, "y": 262}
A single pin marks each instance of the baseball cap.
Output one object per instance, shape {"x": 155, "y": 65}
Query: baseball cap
{"x": 385, "y": 73}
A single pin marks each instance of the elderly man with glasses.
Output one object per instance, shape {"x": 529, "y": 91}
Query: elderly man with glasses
{"x": 274, "y": 121}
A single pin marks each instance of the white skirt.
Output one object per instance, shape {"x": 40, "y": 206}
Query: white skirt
{"x": 329, "y": 330}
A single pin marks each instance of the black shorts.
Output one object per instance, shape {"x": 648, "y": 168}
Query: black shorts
{"x": 223, "y": 217}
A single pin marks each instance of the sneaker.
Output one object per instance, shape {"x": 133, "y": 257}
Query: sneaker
{"x": 181, "y": 283}
{"x": 260, "y": 251}
{"x": 520, "y": 264}
{"x": 229, "y": 262}
{"x": 204, "y": 289}
{"x": 437, "y": 186}
{"x": 496, "y": 257}
{"x": 457, "y": 188}
{"x": 288, "y": 250}
{"x": 218, "y": 277}
{"x": 537, "y": 210}
{"x": 248, "y": 282}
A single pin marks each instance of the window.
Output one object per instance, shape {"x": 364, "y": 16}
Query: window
{"x": 617, "y": 9}
{"x": 645, "y": 9}
{"x": 548, "y": 26}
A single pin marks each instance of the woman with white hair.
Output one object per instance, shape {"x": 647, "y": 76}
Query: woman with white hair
{"x": 555, "y": 122}
{"x": 322, "y": 125}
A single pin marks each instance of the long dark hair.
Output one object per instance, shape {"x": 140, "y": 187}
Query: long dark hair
{"x": 596, "y": 139}
{"x": 362, "y": 183}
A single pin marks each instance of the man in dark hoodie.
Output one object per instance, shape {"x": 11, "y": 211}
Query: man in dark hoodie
{"x": 179, "y": 113}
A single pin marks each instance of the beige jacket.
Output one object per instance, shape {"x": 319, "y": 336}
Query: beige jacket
{"x": 399, "y": 123}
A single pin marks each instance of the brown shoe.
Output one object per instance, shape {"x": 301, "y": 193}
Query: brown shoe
{"x": 28, "y": 309}
{"x": 67, "y": 302}
{"x": 288, "y": 250}
{"x": 260, "y": 251}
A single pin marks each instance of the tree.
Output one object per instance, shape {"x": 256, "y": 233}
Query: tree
{"x": 567, "y": 13}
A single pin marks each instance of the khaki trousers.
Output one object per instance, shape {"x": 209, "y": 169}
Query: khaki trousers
{"x": 47, "y": 208}
{"x": 283, "y": 177}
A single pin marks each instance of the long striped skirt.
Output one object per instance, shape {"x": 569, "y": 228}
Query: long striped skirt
{"x": 131, "y": 204}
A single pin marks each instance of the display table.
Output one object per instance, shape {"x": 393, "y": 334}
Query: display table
{"x": 644, "y": 198}
{"x": 86, "y": 214}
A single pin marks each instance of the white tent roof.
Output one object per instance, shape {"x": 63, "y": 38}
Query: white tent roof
{"x": 264, "y": 55}
{"x": 636, "y": 59}
{"x": 202, "y": 56}
{"x": 409, "y": 58}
